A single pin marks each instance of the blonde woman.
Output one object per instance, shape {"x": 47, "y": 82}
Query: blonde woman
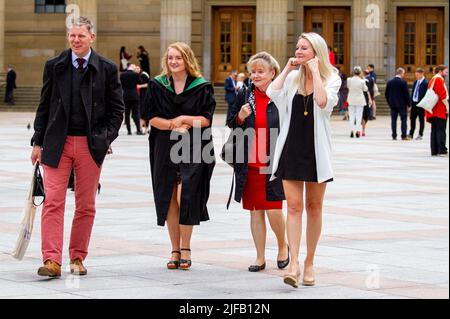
{"x": 181, "y": 100}
{"x": 254, "y": 111}
{"x": 356, "y": 100}
{"x": 305, "y": 94}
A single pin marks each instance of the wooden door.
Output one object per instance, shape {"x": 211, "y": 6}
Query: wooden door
{"x": 420, "y": 40}
{"x": 234, "y": 40}
{"x": 333, "y": 24}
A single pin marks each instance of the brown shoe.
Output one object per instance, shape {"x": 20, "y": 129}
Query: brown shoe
{"x": 77, "y": 267}
{"x": 50, "y": 269}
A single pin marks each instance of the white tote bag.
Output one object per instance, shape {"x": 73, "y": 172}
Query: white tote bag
{"x": 26, "y": 225}
{"x": 430, "y": 99}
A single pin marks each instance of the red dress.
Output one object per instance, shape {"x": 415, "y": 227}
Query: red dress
{"x": 254, "y": 196}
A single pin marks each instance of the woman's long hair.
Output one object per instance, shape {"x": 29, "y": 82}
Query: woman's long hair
{"x": 320, "y": 49}
{"x": 190, "y": 61}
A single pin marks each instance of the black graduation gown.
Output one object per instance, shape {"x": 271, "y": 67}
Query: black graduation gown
{"x": 197, "y": 99}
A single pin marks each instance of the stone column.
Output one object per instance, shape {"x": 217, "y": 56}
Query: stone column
{"x": 87, "y": 9}
{"x": 176, "y": 22}
{"x": 368, "y": 35}
{"x": 271, "y": 26}
{"x": 2, "y": 36}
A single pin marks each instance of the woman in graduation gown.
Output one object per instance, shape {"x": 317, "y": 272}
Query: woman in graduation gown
{"x": 180, "y": 107}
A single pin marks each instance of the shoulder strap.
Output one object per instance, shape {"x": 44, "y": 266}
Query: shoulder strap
{"x": 231, "y": 191}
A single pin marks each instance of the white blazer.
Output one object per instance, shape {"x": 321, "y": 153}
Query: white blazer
{"x": 322, "y": 129}
{"x": 356, "y": 87}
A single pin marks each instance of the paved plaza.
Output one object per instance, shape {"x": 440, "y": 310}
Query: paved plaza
{"x": 385, "y": 233}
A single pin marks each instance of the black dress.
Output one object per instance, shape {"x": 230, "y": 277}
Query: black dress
{"x": 298, "y": 159}
{"x": 197, "y": 99}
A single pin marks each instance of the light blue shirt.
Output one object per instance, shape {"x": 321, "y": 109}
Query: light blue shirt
{"x": 86, "y": 59}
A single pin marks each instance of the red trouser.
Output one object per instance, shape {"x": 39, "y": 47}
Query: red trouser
{"x": 87, "y": 174}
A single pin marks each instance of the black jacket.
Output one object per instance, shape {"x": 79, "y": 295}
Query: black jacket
{"x": 130, "y": 80}
{"x": 274, "y": 189}
{"x": 422, "y": 91}
{"x": 102, "y": 100}
{"x": 397, "y": 94}
{"x": 11, "y": 80}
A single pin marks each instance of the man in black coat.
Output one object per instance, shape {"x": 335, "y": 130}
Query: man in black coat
{"x": 79, "y": 115}
{"x": 10, "y": 85}
{"x": 397, "y": 97}
{"x": 130, "y": 79}
{"x": 230, "y": 93}
{"x": 419, "y": 90}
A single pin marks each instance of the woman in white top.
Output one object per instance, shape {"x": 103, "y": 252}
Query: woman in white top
{"x": 305, "y": 94}
{"x": 356, "y": 100}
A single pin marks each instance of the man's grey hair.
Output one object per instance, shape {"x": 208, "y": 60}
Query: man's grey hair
{"x": 399, "y": 71}
{"x": 83, "y": 22}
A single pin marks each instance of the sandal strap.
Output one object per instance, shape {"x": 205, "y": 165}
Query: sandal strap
{"x": 185, "y": 249}
{"x": 176, "y": 252}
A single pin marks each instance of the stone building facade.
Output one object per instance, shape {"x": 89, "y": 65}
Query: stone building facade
{"x": 225, "y": 33}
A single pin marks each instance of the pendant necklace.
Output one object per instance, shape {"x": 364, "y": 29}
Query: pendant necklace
{"x": 305, "y": 105}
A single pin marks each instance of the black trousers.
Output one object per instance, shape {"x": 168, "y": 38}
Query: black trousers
{"x": 132, "y": 107}
{"x": 395, "y": 113}
{"x": 438, "y": 136}
{"x": 9, "y": 96}
{"x": 417, "y": 112}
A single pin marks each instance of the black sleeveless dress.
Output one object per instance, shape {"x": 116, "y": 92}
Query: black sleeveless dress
{"x": 298, "y": 159}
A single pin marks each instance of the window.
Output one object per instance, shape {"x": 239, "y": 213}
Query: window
{"x": 50, "y": 6}
{"x": 409, "y": 43}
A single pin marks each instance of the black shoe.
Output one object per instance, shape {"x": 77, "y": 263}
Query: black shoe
{"x": 139, "y": 133}
{"x": 185, "y": 264}
{"x": 352, "y": 135}
{"x": 174, "y": 264}
{"x": 357, "y": 134}
{"x": 256, "y": 268}
{"x": 394, "y": 138}
{"x": 129, "y": 133}
{"x": 284, "y": 263}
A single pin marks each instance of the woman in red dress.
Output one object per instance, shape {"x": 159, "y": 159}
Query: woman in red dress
{"x": 255, "y": 113}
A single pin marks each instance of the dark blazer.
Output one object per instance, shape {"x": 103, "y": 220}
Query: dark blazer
{"x": 397, "y": 94}
{"x": 422, "y": 90}
{"x": 102, "y": 100}
{"x": 230, "y": 90}
{"x": 11, "y": 80}
{"x": 274, "y": 189}
{"x": 130, "y": 80}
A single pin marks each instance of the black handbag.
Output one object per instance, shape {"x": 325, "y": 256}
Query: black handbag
{"x": 228, "y": 153}
{"x": 230, "y": 148}
{"x": 38, "y": 188}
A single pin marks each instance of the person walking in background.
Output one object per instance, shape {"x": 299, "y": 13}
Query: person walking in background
{"x": 10, "y": 85}
{"x": 373, "y": 75}
{"x": 124, "y": 59}
{"x": 305, "y": 99}
{"x": 397, "y": 97}
{"x": 144, "y": 59}
{"x": 142, "y": 92}
{"x": 230, "y": 93}
{"x": 332, "y": 56}
{"x": 254, "y": 111}
{"x": 356, "y": 100}
{"x": 130, "y": 81}
{"x": 74, "y": 127}
{"x": 438, "y": 119}
{"x": 180, "y": 100}
{"x": 367, "y": 111}
{"x": 343, "y": 94}
{"x": 419, "y": 90}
